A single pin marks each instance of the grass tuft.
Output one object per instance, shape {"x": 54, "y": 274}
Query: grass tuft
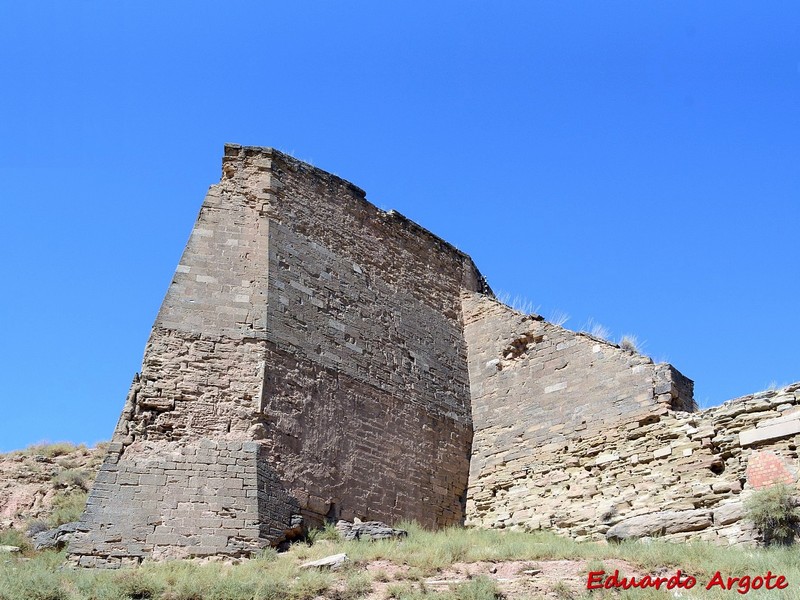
{"x": 630, "y": 343}
{"x": 68, "y": 507}
{"x": 52, "y": 450}
{"x": 596, "y": 330}
{"x": 72, "y": 478}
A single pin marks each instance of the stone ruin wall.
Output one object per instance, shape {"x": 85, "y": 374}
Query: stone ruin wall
{"x": 308, "y": 360}
{"x": 595, "y": 455}
{"x": 317, "y": 357}
{"x": 537, "y": 387}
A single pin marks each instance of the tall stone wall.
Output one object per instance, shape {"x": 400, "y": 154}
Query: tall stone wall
{"x": 313, "y": 331}
{"x": 366, "y": 406}
{"x": 317, "y": 358}
{"x": 576, "y": 435}
{"x": 536, "y": 388}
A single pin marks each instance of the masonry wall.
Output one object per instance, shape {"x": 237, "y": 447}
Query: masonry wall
{"x": 318, "y": 357}
{"x": 681, "y": 476}
{"x": 366, "y": 399}
{"x": 177, "y": 501}
{"x": 303, "y": 318}
{"x": 536, "y": 389}
{"x": 576, "y": 435}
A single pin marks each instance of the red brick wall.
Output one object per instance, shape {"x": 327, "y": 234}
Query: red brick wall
{"x": 766, "y": 468}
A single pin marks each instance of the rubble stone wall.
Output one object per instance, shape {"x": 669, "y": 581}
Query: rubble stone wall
{"x": 672, "y": 474}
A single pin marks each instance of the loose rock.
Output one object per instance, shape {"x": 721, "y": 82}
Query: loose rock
{"x": 334, "y": 561}
{"x": 369, "y": 530}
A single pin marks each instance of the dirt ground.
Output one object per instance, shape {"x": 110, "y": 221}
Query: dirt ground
{"x": 545, "y": 579}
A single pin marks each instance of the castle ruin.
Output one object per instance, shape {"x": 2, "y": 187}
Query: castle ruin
{"x": 317, "y": 358}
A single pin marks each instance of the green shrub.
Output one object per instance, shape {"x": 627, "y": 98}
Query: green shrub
{"x": 774, "y": 512}
{"x": 139, "y": 584}
{"x": 14, "y": 537}
{"x": 480, "y": 588}
{"x": 400, "y": 591}
{"x": 51, "y": 450}
{"x": 72, "y": 478}
{"x": 67, "y": 508}
{"x": 562, "y": 591}
{"x": 329, "y": 532}
{"x": 36, "y": 526}
{"x": 310, "y": 584}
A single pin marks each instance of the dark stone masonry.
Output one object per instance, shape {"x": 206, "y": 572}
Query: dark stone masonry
{"x": 317, "y": 359}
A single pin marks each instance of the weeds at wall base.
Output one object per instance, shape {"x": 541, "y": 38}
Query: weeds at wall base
{"x": 424, "y": 555}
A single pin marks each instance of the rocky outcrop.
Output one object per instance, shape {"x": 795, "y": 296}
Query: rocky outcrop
{"x": 55, "y": 539}
{"x": 33, "y": 481}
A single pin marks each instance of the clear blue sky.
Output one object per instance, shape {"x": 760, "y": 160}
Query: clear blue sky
{"x": 634, "y": 163}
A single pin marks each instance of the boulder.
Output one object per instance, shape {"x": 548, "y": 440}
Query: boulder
{"x": 369, "y": 530}
{"x": 56, "y": 538}
{"x": 659, "y": 524}
{"x": 334, "y": 561}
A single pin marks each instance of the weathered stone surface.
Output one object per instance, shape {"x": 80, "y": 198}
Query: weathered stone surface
{"x": 728, "y": 513}
{"x": 563, "y": 486}
{"x": 334, "y": 561}
{"x": 556, "y": 419}
{"x": 322, "y": 330}
{"x": 659, "y": 524}
{"x": 770, "y": 432}
{"x": 9, "y": 548}
{"x": 55, "y": 538}
{"x": 371, "y": 530}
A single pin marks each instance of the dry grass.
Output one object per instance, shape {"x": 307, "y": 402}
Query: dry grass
{"x": 423, "y": 554}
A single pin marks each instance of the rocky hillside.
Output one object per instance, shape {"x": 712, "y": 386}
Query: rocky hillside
{"x": 45, "y": 485}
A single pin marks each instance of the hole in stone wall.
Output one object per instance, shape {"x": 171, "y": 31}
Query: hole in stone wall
{"x": 717, "y": 467}
{"x": 521, "y": 345}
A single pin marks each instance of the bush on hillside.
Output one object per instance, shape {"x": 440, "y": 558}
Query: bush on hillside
{"x": 774, "y": 512}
